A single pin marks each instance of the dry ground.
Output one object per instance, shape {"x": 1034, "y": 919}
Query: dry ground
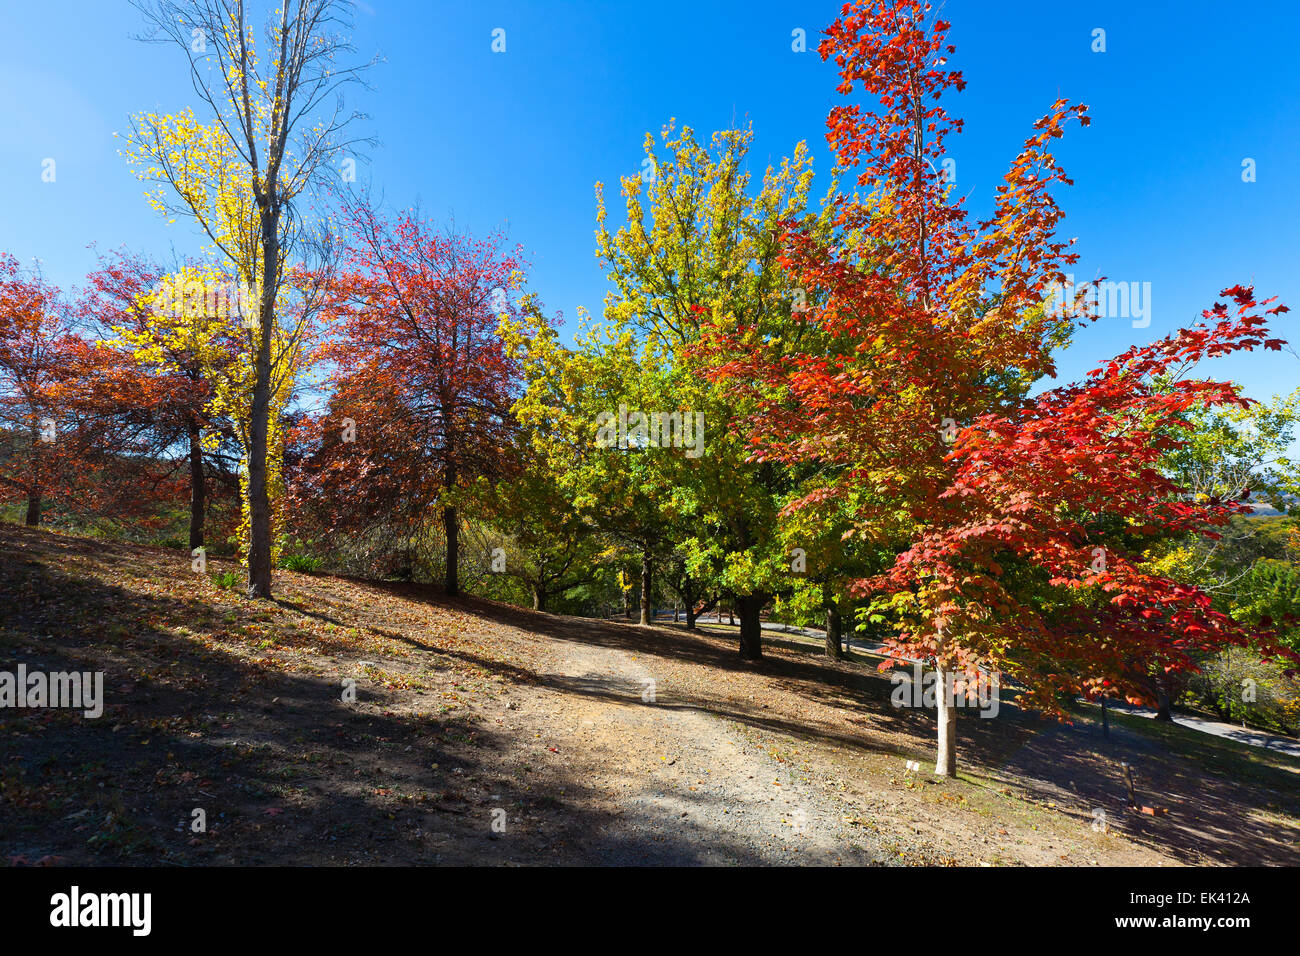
{"x": 595, "y": 742}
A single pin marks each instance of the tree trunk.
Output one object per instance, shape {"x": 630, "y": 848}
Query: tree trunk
{"x": 197, "y": 488}
{"x": 834, "y": 648}
{"x": 33, "y": 508}
{"x": 1164, "y": 705}
{"x": 450, "y": 525}
{"x": 259, "y": 501}
{"x": 34, "y": 492}
{"x": 539, "y": 599}
{"x": 945, "y": 763}
{"x": 751, "y": 626}
{"x": 647, "y": 571}
{"x": 688, "y": 598}
{"x": 693, "y": 613}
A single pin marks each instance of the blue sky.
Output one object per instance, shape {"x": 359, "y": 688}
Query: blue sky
{"x": 1183, "y": 94}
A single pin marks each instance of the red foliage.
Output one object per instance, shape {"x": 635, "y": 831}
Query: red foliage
{"x": 922, "y": 319}
{"x": 418, "y": 369}
{"x": 52, "y": 443}
{"x": 1047, "y": 487}
{"x": 163, "y": 408}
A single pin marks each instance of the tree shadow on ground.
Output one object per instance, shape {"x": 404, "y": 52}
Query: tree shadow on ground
{"x": 1210, "y": 815}
{"x": 283, "y": 770}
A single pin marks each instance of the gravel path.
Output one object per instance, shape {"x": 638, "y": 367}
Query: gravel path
{"x": 683, "y": 786}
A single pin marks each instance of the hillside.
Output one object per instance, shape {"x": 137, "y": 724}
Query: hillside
{"x": 464, "y": 707}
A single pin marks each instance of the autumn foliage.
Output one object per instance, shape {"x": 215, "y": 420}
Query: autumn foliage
{"x": 421, "y": 387}
{"x": 62, "y": 440}
{"x": 1015, "y": 524}
{"x": 1063, "y": 494}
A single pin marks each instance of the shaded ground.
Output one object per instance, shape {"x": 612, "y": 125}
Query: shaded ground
{"x": 1204, "y": 724}
{"x": 594, "y": 742}
{"x": 1245, "y": 735}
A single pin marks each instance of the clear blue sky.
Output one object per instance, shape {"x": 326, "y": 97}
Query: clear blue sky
{"x": 1184, "y": 92}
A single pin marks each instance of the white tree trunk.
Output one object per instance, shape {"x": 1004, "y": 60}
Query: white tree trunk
{"x": 945, "y": 764}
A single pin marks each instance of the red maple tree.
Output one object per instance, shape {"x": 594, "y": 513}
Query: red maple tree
{"x": 421, "y": 383}
{"x": 927, "y": 328}
{"x": 47, "y": 439}
{"x": 1065, "y": 493}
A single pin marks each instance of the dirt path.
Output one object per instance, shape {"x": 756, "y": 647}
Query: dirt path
{"x": 681, "y": 785}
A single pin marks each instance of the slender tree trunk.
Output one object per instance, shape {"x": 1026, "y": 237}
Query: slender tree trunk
{"x": 848, "y": 623}
{"x": 451, "y": 525}
{"x": 751, "y": 626}
{"x": 676, "y": 612}
{"x": 198, "y": 491}
{"x": 687, "y": 599}
{"x": 539, "y": 599}
{"x": 34, "y": 492}
{"x": 259, "y": 500}
{"x": 945, "y": 764}
{"x": 647, "y": 572}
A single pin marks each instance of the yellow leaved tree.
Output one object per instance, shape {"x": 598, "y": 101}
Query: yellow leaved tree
{"x": 247, "y": 174}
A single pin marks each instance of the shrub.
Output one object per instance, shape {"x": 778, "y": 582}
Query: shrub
{"x": 301, "y": 562}
{"x": 1243, "y": 688}
{"x": 228, "y": 580}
